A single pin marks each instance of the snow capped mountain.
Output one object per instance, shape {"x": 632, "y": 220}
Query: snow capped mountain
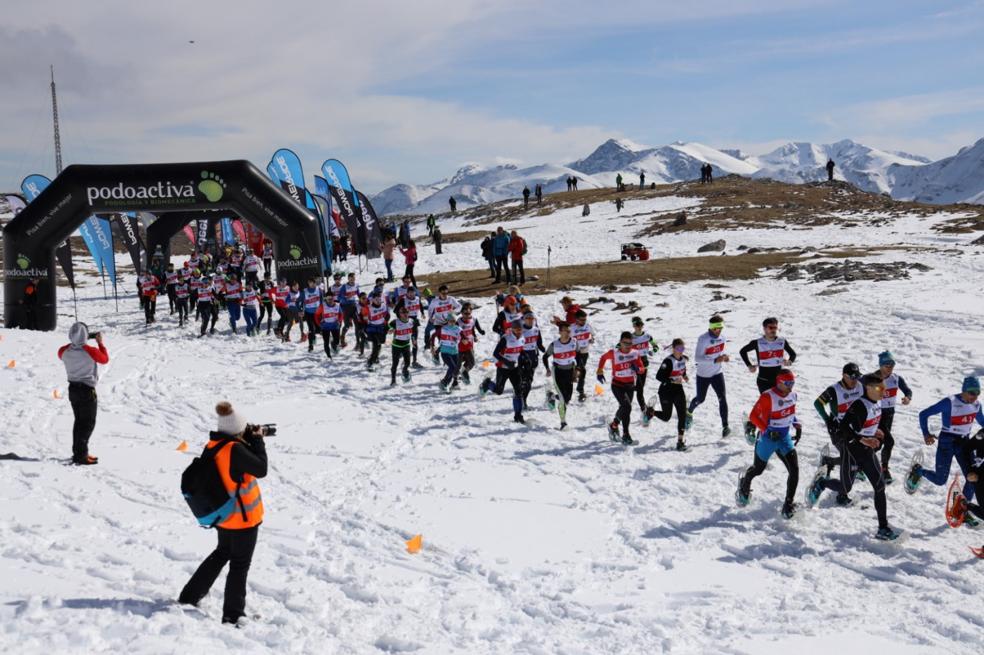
{"x": 959, "y": 178}
{"x": 402, "y": 197}
{"x": 479, "y": 185}
{"x": 901, "y": 174}
{"x": 612, "y": 155}
{"x": 862, "y": 166}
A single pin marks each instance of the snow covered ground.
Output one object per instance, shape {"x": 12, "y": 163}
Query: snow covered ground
{"x": 535, "y": 540}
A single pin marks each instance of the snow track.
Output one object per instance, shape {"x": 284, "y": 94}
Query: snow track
{"x": 535, "y": 540}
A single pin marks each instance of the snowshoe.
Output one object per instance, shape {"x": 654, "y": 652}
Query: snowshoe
{"x": 914, "y": 478}
{"x": 844, "y": 500}
{"x": 887, "y": 476}
{"x": 563, "y": 425}
{"x": 970, "y": 520}
{"x": 978, "y": 552}
{"x": 551, "y": 401}
{"x": 742, "y": 497}
{"x": 822, "y": 457}
{"x": 815, "y": 490}
{"x": 406, "y": 376}
{"x": 629, "y": 441}
{"x": 465, "y": 377}
{"x": 788, "y": 510}
{"x": 444, "y": 387}
{"x": 859, "y": 476}
{"x": 484, "y": 388}
{"x": 646, "y": 419}
{"x": 613, "y": 430}
{"x": 888, "y": 534}
{"x": 956, "y": 504}
{"x": 689, "y": 422}
{"x": 681, "y": 446}
{"x": 751, "y": 434}
{"x": 725, "y": 432}
{"x": 519, "y": 418}
{"x": 581, "y": 397}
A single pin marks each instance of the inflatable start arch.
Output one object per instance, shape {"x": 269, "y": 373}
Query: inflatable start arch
{"x": 30, "y": 239}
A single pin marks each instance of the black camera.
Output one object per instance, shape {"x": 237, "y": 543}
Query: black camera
{"x": 95, "y": 335}
{"x": 265, "y": 430}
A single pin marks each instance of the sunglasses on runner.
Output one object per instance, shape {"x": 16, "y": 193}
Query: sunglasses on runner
{"x": 787, "y": 383}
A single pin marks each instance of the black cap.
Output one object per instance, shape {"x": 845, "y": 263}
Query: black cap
{"x": 852, "y": 369}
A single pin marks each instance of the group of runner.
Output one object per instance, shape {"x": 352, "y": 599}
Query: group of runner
{"x": 857, "y": 410}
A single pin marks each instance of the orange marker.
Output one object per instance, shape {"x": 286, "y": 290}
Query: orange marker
{"x": 415, "y": 544}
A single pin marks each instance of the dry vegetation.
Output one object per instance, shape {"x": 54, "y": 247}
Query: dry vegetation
{"x": 605, "y": 275}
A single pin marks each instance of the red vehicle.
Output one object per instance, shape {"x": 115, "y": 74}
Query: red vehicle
{"x": 635, "y": 251}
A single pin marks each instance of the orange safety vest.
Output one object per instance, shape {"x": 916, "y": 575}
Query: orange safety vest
{"x": 249, "y": 509}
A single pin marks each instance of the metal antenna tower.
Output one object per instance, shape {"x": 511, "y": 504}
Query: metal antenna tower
{"x": 54, "y": 113}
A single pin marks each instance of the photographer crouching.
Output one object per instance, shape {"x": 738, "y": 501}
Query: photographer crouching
{"x": 221, "y": 488}
{"x": 82, "y": 366}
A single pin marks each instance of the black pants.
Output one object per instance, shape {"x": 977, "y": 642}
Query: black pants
{"x": 502, "y": 266}
{"x": 376, "y": 339}
{"x": 349, "y": 312}
{"x": 235, "y": 547}
{"x": 266, "y": 309}
{"x": 518, "y": 273}
{"x": 171, "y": 297}
{"x": 399, "y": 354}
{"x": 208, "y": 311}
{"x": 252, "y": 277}
{"x": 975, "y": 508}
{"x": 767, "y": 377}
{"x": 527, "y": 367}
{"x": 150, "y": 308}
{"x": 717, "y": 382}
{"x": 888, "y": 443}
{"x": 330, "y": 337}
{"x": 623, "y": 394}
{"x": 267, "y": 265}
{"x": 514, "y": 377}
{"x": 408, "y": 272}
{"x": 580, "y": 364}
{"x": 84, "y": 406}
{"x": 866, "y": 460}
{"x": 283, "y": 316}
{"x": 789, "y": 460}
{"x": 564, "y": 378}
{"x": 641, "y": 385}
{"x": 672, "y": 396}
{"x": 181, "y": 304}
{"x": 312, "y": 330}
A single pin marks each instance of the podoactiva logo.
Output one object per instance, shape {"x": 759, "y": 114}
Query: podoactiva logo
{"x": 162, "y": 193}
{"x": 212, "y": 186}
{"x": 297, "y": 259}
{"x": 24, "y": 269}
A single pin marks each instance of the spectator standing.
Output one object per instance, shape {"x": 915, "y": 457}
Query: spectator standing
{"x": 500, "y": 250}
{"x": 539, "y": 194}
{"x": 389, "y": 245}
{"x": 526, "y": 197}
{"x": 517, "y": 248}
{"x": 437, "y": 239}
{"x": 82, "y": 367}
{"x": 409, "y": 259}
{"x": 830, "y": 169}
{"x": 487, "y": 253}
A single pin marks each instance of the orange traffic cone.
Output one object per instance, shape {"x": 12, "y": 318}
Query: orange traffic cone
{"x": 415, "y": 544}
{"x": 56, "y": 394}
{"x": 599, "y": 389}
{"x": 11, "y": 364}
{"x": 182, "y": 447}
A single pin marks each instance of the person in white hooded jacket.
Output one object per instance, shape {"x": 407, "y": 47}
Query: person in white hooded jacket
{"x": 82, "y": 366}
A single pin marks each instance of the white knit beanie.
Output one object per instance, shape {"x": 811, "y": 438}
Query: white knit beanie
{"x": 230, "y": 421}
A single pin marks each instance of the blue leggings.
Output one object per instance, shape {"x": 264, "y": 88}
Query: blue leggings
{"x": 249, "y": 313}
{"x": 234, "y": 313}
{"x": 716, "y": 381}
{"x": 453, "y": 363}
{"x": 947, "y": 447}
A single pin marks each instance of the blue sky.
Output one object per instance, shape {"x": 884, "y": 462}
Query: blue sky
{"x": 407, "y": 92}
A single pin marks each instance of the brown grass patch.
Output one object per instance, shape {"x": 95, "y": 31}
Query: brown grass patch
{"x": 476, "y": 283}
